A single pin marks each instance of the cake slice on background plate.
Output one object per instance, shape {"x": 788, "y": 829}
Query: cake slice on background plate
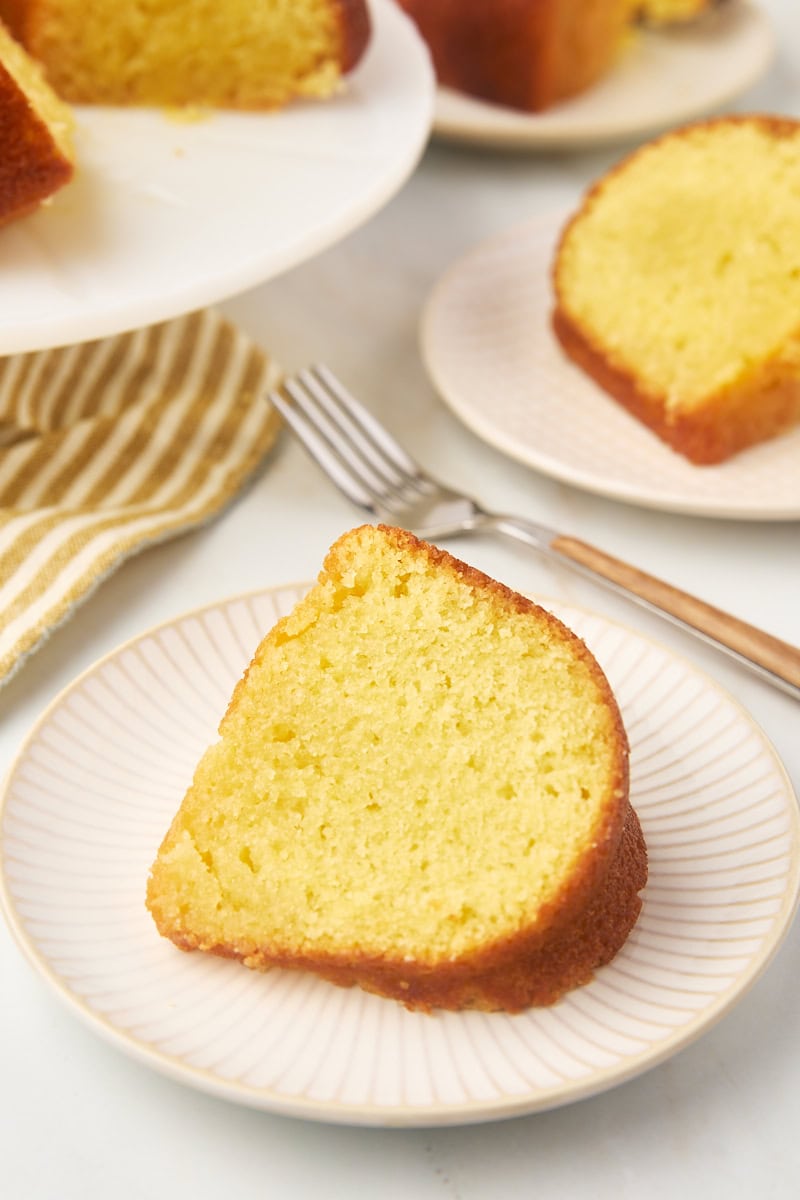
{"x": 677, "y": 284}
{"x": 420, "y": 787}
{"x": 522, "y": 55}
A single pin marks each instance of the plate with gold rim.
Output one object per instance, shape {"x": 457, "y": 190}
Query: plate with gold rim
{"x": 98, "y": 779}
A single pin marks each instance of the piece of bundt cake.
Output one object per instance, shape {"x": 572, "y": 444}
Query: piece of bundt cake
{"x": 238, "y": 54}
{"x": 420, "y": 787}
{"x": 521, "y": 55}
{"x": 36, "y": 155}
{"x": 677, "y": 284}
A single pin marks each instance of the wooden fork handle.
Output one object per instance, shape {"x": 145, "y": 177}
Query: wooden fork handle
{"x": 753, "y": 645}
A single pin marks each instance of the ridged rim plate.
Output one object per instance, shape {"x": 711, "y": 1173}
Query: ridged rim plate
{"x": 98, "y": 780}
{"x": 166, "y": 215}
{"x": 663, "y": 78}
{"x": 490, "y": 351}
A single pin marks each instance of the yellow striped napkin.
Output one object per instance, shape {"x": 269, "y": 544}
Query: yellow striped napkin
{"x": 109, "y": 446}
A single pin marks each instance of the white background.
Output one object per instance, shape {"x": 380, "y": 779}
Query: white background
{"x": 77, "y": 1117}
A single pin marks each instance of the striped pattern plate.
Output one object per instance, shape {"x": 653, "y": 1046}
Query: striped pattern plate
{"x": 98, "y": 780}
{"x": 490, "y": 352}
{"x": 112, "y": 445}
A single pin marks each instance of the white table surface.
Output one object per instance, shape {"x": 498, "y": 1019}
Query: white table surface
{"x": 80, "y": 1119}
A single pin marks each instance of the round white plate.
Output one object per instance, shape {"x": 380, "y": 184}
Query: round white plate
{"x": 165, "y": 216}
{"x": 490, "y": 351}
{"x": 96, "y": 784}
{"x": 664, "y": 78}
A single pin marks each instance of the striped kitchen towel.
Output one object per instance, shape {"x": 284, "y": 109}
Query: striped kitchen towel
{"x": 111, "y": 445}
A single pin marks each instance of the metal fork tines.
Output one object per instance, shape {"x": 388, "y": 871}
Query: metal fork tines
{"x": 366, "y": 463}
{"x": 379, "y": 476}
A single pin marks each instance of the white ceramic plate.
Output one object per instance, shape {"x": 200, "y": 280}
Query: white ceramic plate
{"x": 663, "y": 79}
{"x": 165, "y": 216}
{"x": 489, "y": 349}
{"x": 101, "y": 775}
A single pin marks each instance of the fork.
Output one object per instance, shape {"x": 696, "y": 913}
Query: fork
{"x": 374, "y": 472}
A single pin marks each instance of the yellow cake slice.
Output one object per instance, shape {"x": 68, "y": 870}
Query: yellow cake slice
{"x": 677, "y": 284}
{"x": 420, "y": 787}
{"x": 239, "y": 54}
{"x": 36, "y": 154}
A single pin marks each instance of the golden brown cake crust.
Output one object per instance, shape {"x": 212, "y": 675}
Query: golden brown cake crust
{"x": 31, "y": 165}
{"x": 13, "y": 14}
{"x": 760, "y": 407}
{"x": 485, "y": 50}
{"x": 354, "y": 24}
{"x": 582, "y": 929}
{"x": 727, "y": 423}
{"x": 517, "y": 54}
{"x": 595, "y": 915}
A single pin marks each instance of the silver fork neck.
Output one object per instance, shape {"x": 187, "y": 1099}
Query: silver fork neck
{"x": 529, "y": 532}
{"x": 451, "y": 521}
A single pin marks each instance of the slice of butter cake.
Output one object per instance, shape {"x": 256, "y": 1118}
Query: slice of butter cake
{"x": 420, "y": 787}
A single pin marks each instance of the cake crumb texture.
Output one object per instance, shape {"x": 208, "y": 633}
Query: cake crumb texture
{"x": 241, "y": 54}
{"x": 677, "y": 284}
{"x": 421, "y": 786}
